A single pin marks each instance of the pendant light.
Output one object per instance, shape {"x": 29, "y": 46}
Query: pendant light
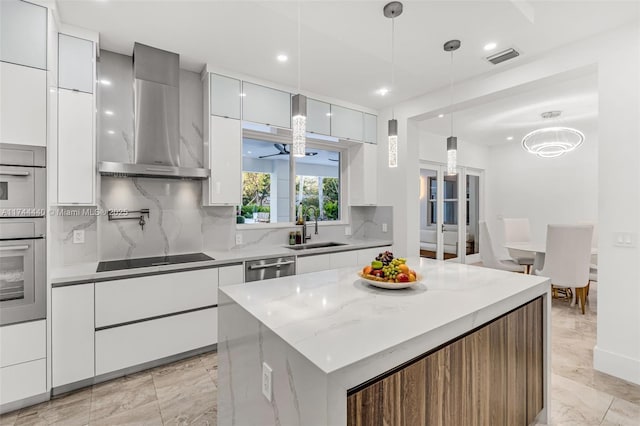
{"x": 452, "y": 141}
{"x": 393, "y": 10}
{"x": 552, "y": 141}
{"x": 299, "y": 109}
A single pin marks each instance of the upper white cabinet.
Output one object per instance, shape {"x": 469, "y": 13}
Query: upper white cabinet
{"x": 266, "y": 105}
{"x": 347, "y": 123}
{"x": 318, "y": 117}
{"x": 225, "y": 96}
{"x": 224, "y": 158}
{"x": 23, "y": 102}
{"x": 76, "y": 68}
{"x": 370, "y": 128}
{"x": 76, "y": 148}
{"x": 23, "y": 34}
{"x": 363, "y": 175}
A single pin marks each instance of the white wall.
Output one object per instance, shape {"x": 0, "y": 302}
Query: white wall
{"x": 560, "y": 190}
{"x": 616, "y": 56}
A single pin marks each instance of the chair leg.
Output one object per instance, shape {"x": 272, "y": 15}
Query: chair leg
{"x": 581, "y": 294}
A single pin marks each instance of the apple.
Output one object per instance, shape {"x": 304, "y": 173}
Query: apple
{"x": 367, "y": 270}
{"x": 402, "y": 277}
{"x": 378, "y": 273}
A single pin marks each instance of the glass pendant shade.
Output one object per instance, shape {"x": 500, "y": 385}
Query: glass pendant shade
{"x": 452, "y": 155}
{"x": 393, "y": 143}
{"x": 299, "y": 124}
{"x": 552, "y": 142}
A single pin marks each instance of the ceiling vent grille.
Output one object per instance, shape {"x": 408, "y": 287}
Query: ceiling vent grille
{"x": 505, "y": 55}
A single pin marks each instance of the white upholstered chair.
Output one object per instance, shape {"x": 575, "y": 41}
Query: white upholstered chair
{"x": 488, "y": 256}
{"x": 567, "y": 258}
{"x": 593, "y": 269}
{"x": 518, "y": 230}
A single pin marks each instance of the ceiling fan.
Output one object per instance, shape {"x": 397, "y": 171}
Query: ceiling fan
{"x": 282, "y": 150}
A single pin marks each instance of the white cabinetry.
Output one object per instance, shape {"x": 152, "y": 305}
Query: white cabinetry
{"x": 72, "y": 333}
{"x": 224, "y": 96}
{"x": 23, "y": 364}
{"x": 75, "y": 63}
{"x": 23, "y": 102}
{"x": 344, "y": 259}
{"x": 23, "y": 34}
{"x": 265, "y": 105}
{"x": 318, "y": 117}
{"x": 347, "y": 123}
{"x": 319, "y": 262}
{"x": 363, "y": 174}
{"x": 230, "y": 275}
{"x": 370, "y": 128}
{"x": 76, "y": 148}
{"x": 224, "y": 158}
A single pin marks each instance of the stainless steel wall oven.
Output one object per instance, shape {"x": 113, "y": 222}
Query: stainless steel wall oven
{"x": 22, "y": 233}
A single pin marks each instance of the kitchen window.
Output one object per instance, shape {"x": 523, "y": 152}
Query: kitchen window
{"x": 270, "y": 176}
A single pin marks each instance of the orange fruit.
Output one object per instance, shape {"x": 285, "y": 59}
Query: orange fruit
{"x": 412, "y": 278}
{"x": 404, "y": 268}
{"x": 367, "y": 270}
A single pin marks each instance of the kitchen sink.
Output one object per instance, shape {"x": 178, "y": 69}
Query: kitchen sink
{"x": 315, "y": 245}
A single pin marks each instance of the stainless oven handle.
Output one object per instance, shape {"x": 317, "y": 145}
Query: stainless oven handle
{"x": 7, "y": 248}
{"x": 271, "y": 265}
{"x": 14, "y": 173}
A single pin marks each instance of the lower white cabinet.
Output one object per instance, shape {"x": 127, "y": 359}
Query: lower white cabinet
{"x": 132, "y": 299}
{"x": 22, "y": 381}
{"x": 230, "y": 275}
{"x": 72, "y": 333}
{"x": 23, "y": 102}
{"x": 323, "y": 262}
{"x": 121, "y": 347}
{"x": 23, "y": 360}
{"x": 76, "y": 143}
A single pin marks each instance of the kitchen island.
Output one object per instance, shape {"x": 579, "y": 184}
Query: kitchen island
{"x": 468, "y": 345}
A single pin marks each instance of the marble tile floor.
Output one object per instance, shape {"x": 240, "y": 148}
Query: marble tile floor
{"x": 184, "y": 393}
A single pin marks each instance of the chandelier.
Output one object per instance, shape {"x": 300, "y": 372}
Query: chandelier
{"x": 554, "y": 141}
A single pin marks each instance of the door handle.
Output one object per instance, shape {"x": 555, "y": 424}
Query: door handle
{"x": 14, "y": 173}
{"x": 442, "y": 230}
{"x": 11, "y": 248}
{"x": 270, "y": 265}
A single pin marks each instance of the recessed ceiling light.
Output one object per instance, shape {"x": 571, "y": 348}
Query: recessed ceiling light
{"x": 282, "y": 58}
{"x": 440, "y": 115}
{"x": 108, "y": 112}
{"x": 111, "y": 132}
{"x": 509, "y": 138}
{"x": 105, "y": 82}
{"x": 243, "y": 95}
{"x": 248, "y": 152}
{"x": 328, "y": 114}
{"x": 382, "y": 91}
{"x": 490, "y": 46}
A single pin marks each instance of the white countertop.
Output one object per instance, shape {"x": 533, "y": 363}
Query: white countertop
{"x": 86, "y": 272}
{"x": 335, "y": 320}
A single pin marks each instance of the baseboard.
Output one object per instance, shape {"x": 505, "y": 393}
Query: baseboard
{"x": 22, "y": 403}
{"x": 616, "y": 365}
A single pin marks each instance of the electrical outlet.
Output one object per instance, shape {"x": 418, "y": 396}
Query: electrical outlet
{"x": 347, "y": 230}
{"x": 238, "y": 239}
{"x": 624, "y": 239}
{"x": 78, "y": 236}
{"x": 384, "y": 227}
{"x": 267, "y": 389}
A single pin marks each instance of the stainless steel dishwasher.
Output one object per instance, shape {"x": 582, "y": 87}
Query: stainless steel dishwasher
{"x": 264, "y": 269}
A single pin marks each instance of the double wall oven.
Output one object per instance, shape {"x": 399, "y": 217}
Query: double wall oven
{"x": 22, "y": 233}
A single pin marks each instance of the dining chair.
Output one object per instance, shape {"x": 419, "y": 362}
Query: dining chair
{"x": 567, "y": 258}
{"x": 593, "y": 269}
{"x": 488, "y": 256}
{"x": 518, "y": 230}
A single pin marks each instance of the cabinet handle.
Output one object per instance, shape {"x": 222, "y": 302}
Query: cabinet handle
{"x": 271, "y": 265}
{"x": 14, "y": 173}
{"x": 16, "y": 248}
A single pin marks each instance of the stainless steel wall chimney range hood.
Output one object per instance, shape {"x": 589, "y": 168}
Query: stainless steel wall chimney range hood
{"x": 156, "y": 75}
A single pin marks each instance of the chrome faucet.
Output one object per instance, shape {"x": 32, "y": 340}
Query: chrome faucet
{"x": 315, "y": 217}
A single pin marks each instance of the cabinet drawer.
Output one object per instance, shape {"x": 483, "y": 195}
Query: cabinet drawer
{"x": 320, "y": 262}
{"x": 344, "y": 259}
{"x": 23, "y": 342}
{"x": 21, "y": 381}
{"x": 134, "y": 344}
{"x": 133, "y": 299}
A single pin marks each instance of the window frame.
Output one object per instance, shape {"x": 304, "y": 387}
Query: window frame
{"x": 281, "y": 137}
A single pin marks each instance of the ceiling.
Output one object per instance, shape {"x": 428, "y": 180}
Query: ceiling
{"x": 346, "y": 44}
{"x": 516, "y": 114}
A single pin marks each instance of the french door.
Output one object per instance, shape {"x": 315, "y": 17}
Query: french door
{"x": 450, "y": 212}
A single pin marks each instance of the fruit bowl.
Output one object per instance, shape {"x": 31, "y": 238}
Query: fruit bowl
{"x": 389, "y": 285}
{"x": 389, "y": 272}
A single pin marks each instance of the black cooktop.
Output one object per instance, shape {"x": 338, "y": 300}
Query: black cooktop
{"x": 143, "y": 262}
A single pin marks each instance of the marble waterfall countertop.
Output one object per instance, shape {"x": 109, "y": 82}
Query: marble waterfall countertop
{"x": 335, "y": 320}
{"x": 86, "y": 272}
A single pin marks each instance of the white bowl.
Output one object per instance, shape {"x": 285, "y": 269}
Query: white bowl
{"x": 388, "y": 285}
